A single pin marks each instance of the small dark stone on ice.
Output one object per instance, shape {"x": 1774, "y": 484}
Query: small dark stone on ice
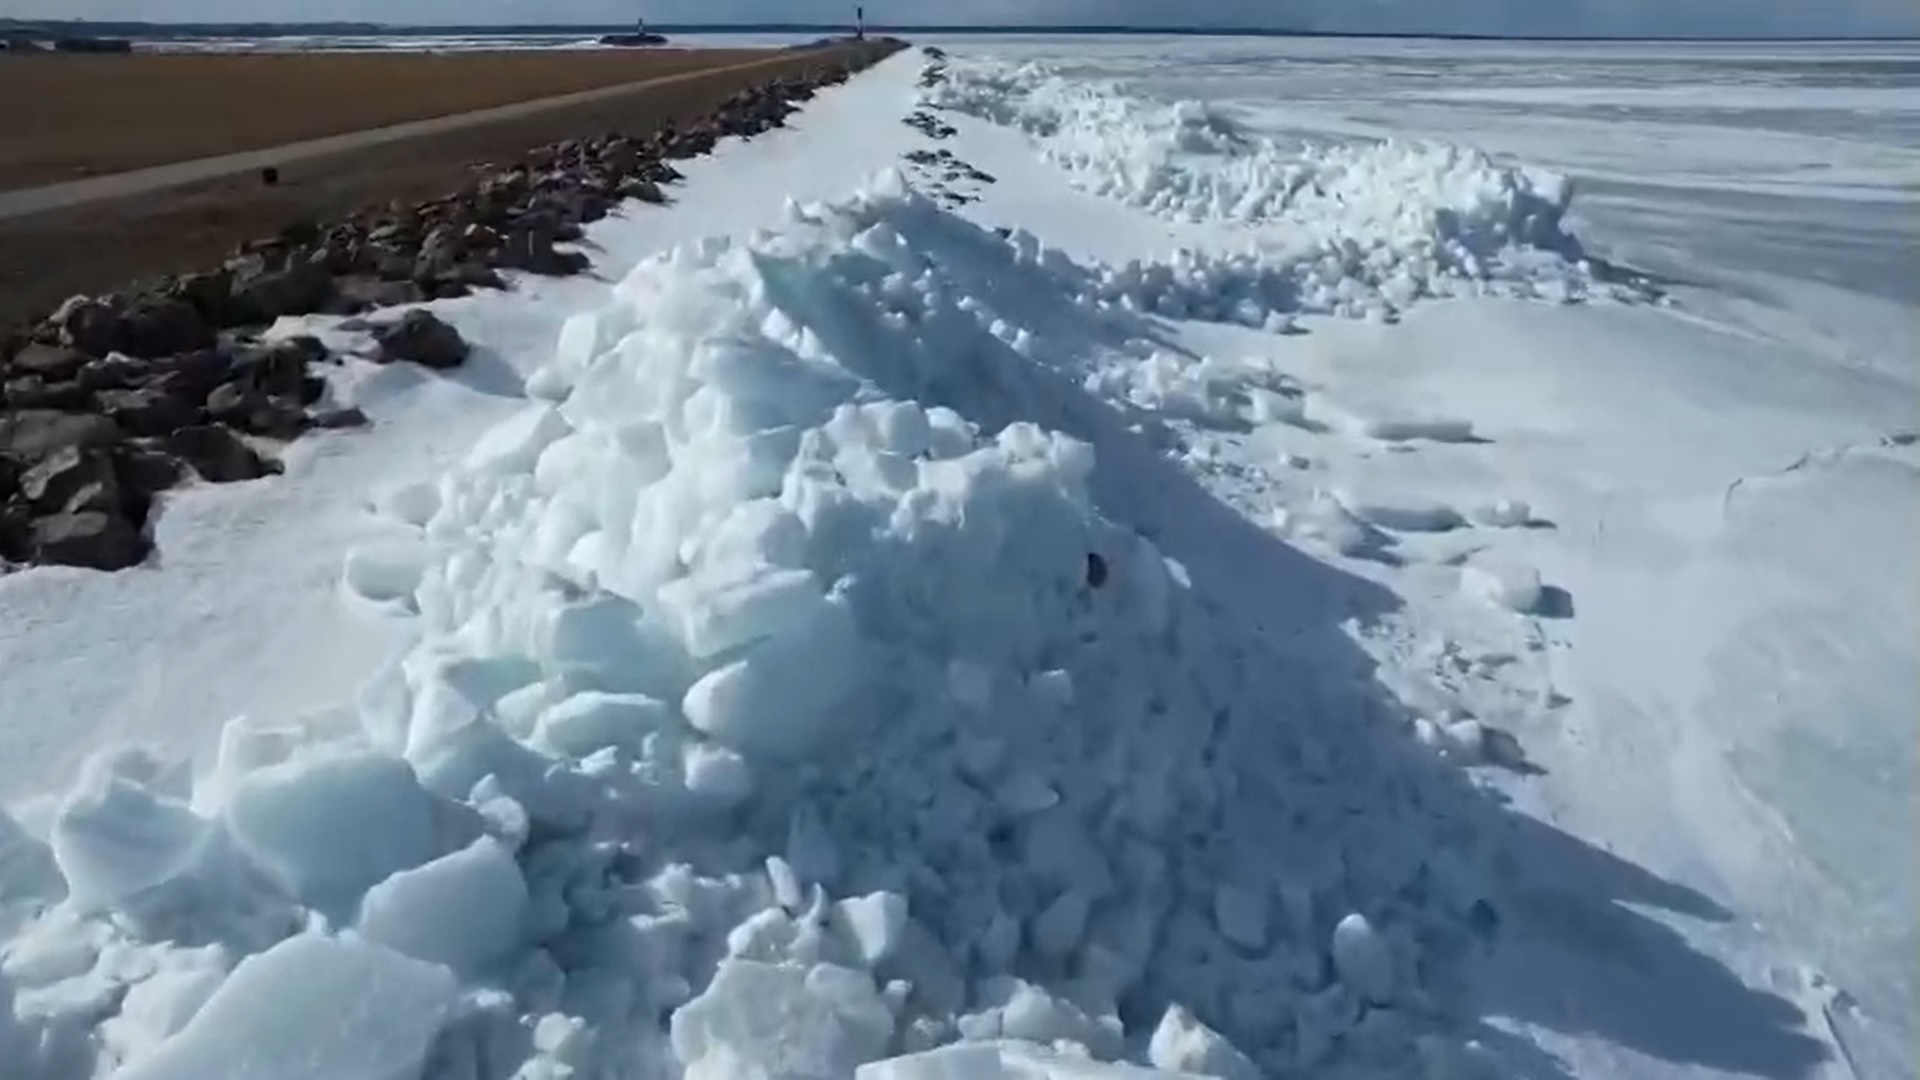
{"x": 335, "y": 419}
{"x": 421, "y": 338}
{"x": 1096, "y": 570}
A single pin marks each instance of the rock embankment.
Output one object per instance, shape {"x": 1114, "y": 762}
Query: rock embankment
{"x": 111, "y": 400}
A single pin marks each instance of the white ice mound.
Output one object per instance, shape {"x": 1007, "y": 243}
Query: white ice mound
{"x": 813, "y": 715}
{"x": 311, "y": 1008}
{"x": 1340, "y": 226}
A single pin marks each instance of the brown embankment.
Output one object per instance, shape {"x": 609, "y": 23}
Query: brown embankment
{"x": 73, "y": 117}
{"x": 101, "y": 246}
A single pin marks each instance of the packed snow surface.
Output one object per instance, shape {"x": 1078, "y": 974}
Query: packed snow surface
{"x": 874, "y": 639}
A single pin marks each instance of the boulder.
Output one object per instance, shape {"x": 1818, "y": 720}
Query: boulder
{"x": 148, "y": 410}
{"x": 72, "y": 479}
{"x": 54, "y": 363}
{"x": 112, "y": 373}
{"x": 262, "y": 293}
{"x": 421, "y": 338}
{"x": 210, "y": 293}
{"x": 191, "y": 376}
{"x": 646, "y": 191}
{"x": 145, "y": 469}
{"x": 34, "y": 392}
{"x": 217, "y": 454}
{"x": 90, "y": 326}
{"x": 162, "y": 326}
{"x": 97, "y": 539}
{"x": 532, "y": 250}
{"x": 364, "y": 292}
{"x": 32, "y": 434}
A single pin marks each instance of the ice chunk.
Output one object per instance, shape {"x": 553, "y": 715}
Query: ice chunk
{"x": 514, "y": 445}
{"x": 1362, "y": 959}
{"x": 1183, "y": 1044}
{"x": 463, "y": 910}
{"x": 1005, "y": 1059}
{"x": 782, "y": 697}
{"x": 1513, "y": 587}
{"x": 29, "y": 876}
{"x": 161, "y": 1005}
{"x": 384, "y": 573}
{"x": 326, "y": 827}
{"x": 1057, "y": 929}
{"x": 1405, "y": 512}
{"x": 717, "y": 772}
{"x": 1241, "y": 914}
{"x": 115, "y": 837}
{"x": 715, "y": 613}
{"x": 311, "y": 1008}
{"x": 875, "y": 924}
{"x": 413, "y": 504}
{"x": 592, "y": 721}
{"x": 794, "y": 1023}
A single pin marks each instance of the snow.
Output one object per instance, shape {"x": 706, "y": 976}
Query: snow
{"x": 1242, "y": 597}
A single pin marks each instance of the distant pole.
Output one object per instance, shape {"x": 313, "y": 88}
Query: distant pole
{"x": 859, "y": 22}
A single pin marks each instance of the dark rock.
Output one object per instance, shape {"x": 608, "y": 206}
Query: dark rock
{"x": 261, "y": 295}
{"x": 392, "y": 265}
{"x": 421, "y": 338}
{"x": 218, "y": 455}
{"x": 231, "y": 402}
{"x": 361, "y": 292}
{"x": 112, "y": 373}
{"x": 34, "y": 392}
{"x": 334, "y": 419}
{"x": 145, "y": 470}
{"x": 32, "y": 434}
{"x": 72, "y": 479}
{"x": 147, "y": 410}
{"x": 532, "y": 250}
{"x": 164, "y": 326}
{"x": 92, "y": 326}
{"x": 247, "y": 408}
{"x": 90, "y": 538}
{"x": 210, "y": 294}
{"x": 278, "y": 369}
{"x": 51, "y": 362}
{"x": 644, "y": 190}
{"x": 190, "y": 376}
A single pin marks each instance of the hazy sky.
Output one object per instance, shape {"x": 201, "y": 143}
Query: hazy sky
{"x": 1719, "y": 17}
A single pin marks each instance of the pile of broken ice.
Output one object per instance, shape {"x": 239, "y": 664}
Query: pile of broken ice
{"x": 767, "y": 719}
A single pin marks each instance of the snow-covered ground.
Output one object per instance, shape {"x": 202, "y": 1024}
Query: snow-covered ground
{"x": 1233, "y": 594}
